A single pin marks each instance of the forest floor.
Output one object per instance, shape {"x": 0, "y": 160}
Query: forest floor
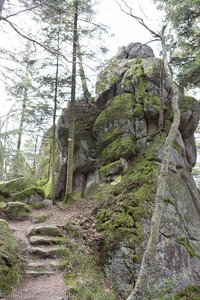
{"x": 42, "y": 277}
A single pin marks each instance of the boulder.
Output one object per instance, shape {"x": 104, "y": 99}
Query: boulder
{"x": 16, "y": 211}
{"x": 33, "y": 196}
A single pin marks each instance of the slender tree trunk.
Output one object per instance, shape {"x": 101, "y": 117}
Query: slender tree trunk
{"x": 21, "y": 125}
{"x": 35, "y": 153}
{"x": 148, "y": 260}
{"x": 53, "y": 182}
{"x": 162, "y": 99}
{"x": 1, "y": 6}
{"x": 86, "y": 92}
{"x": 70, "y": 159}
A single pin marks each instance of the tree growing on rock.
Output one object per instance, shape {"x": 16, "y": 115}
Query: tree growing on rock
{"x": 148, "y": 260}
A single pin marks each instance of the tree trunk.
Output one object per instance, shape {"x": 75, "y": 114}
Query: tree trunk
{"x": 53, "y": 182}
{"x": 21, "y": 125}
{"x": 162, "y": 99}
{"x": 148, "y": 260}
{"x": 1, "y": 6}
{"x": 35, "y": 154}
{"x": 86, "y": 92}
{"x": 70, "y": 159}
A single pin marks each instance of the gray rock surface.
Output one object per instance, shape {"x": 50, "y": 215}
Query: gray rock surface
{"x": 122, "y": 124}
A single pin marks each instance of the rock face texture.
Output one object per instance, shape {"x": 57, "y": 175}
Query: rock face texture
{"x": 10, "y": 264}
{"x": 118, "y": 149}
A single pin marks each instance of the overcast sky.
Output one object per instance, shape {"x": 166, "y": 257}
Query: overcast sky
{"x": 123, "y": 29}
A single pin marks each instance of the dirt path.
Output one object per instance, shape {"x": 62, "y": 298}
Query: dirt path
{"x": 42, "y": 279}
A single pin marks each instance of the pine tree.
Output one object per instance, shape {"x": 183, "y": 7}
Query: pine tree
{"x": 183, "y": 17}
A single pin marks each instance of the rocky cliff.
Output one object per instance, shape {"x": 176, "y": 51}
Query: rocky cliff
{"x": 118, "y": 149}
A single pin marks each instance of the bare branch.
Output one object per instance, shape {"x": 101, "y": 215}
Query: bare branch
{"x": 138, "y": 19}
{"x": 33, "y": 40}
{"x": 21, "y": 11}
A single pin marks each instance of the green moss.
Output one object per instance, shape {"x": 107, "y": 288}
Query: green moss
{"x": 124, "y": 146}
{"x": 153, "y": 70}
{"x": 138, "y": 111}
{"x": 142, "y": 172}
{"x": 167, "y": 125}
{"x": 123, "y": 220}
{"x": 13, "y": 186}
{"x": 151, "y": 152}
{"x": 189, "y": 103}
{"x": 110, "y": 136}
{"x": 120, "y": 217}
{"x": 189, "y": 293}
{"x": 119, "y": 108}
{"x": 4, "y": 194}
{"x": 70, "y": 199}
{"x": 99, "y": 192}
{"x": 110, "y": 169}
{"x": 17, "y": 211}
{"x": 103, "y": 219}
{"x": 47, "y": 190}
{"x": 10, "y": 265}
{"x": 25, "y": 195}
{"x": 108, "y": 77}
{"x": 164, "y": 292}
{"x": 183, "y": 241}
{"x": 41, "y": 218}
{"x": 86, "y": 281}
{"x": 178, "y": 148}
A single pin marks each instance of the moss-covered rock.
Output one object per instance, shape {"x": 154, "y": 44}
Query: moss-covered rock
{"x": 108, "y": 77}
{"x": 17, "y": 211}
{"x": 32, "y": 196}
{"x": 44, "y": 230}
{"x": 4, "y": 194}
{"x": 189, "y": 103}
{"x": 116, "y": 119}
{"x": 13, "y": 186}
{"x": 99, "y": 192}
{"x": 126, "y": 125}
{"x": 10, "y": 265}
{"x": 124, "y": 146}
{"x": 110, "y": 169}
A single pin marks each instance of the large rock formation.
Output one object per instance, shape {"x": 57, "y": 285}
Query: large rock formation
{"x": 118, "y": 149}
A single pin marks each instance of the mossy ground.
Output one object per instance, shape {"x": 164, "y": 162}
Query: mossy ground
{"x": 83, "y": 278}
{"x": 10, "y": 265}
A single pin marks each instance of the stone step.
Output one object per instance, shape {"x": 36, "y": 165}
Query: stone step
{"x": 43, "y": 230}
{"x": 47, "y": 252}
{"x": 46, "y": 264}
{"x": 46, "y": 240}
{"x": 37, "y": 273}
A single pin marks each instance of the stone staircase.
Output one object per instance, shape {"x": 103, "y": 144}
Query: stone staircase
{"x": 46, "y": 245}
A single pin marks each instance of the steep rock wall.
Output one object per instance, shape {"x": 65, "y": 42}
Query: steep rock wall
{"x": 118, "y": 149}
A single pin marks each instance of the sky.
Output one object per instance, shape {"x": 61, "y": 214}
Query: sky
{"x": 123, "y": 30}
